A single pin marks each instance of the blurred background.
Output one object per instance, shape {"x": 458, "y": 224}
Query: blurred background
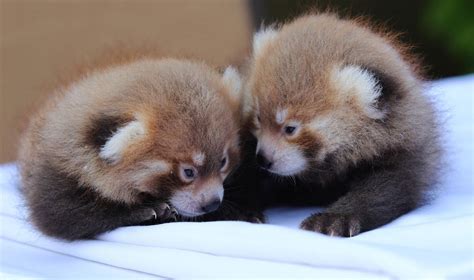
{"x": 42, "y": 39}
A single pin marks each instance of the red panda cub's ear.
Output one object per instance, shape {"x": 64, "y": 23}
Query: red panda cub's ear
{"x": 233, "y": 83}
{"x": 113, "y": 149}
{"x": 354, "y": 82}
{"x": 262, "y": 39}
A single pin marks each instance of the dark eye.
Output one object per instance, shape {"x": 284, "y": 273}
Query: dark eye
{"x": 258, "y": 118}
{"x": 189, "y": 173}
{"x": 223, "y": 162}
{"x": 289, "y": 130}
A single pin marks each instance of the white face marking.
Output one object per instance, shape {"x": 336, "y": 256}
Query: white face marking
{"x": 287, "y": 159}
{"x": 353, "y": 79}
{"x": 262, "y": 38}
{"x": 189, "y": 203}
{"x": 220, "y": 193}
{"x": 280, "y": 116}
{"x": 198, "y": 158}
{"x": 124, "y": 137}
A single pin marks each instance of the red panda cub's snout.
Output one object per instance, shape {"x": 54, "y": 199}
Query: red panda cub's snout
{"x": 146, "y": 140}
{"x": 338, "y": 108}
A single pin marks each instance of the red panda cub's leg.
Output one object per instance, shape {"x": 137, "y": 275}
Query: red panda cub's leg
{"x": 79, "y": 212}
{"x": 374, "y": 200}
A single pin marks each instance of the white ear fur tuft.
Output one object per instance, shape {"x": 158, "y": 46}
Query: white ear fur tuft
{"x": 262, "y": 38}
{"x": 353, "y": 79}
{"x": 232, "y": 80}
{"x": 115, "y": 145}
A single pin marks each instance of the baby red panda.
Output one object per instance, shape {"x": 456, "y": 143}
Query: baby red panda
{"x": 147, "y": 140}
{"x": 341, "y": 120}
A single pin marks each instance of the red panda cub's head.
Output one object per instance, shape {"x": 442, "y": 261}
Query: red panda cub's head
{"x": 326, "y": 93}
{"x": 165, "y": 129}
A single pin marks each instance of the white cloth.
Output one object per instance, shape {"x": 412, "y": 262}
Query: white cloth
{"x": 434, "y": 241}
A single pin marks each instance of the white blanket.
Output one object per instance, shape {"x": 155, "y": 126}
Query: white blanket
{"x": 434, "y": 241}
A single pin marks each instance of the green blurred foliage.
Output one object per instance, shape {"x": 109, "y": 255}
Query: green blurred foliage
{"x": 453, "y": 22}
{"x": 441, "y": 32}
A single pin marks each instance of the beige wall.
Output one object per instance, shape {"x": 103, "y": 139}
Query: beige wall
{"x": 39, "y": 39}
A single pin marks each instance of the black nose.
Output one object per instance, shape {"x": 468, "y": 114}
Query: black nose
{"x": 263, "y": 161}
{"x": 212, "y": 206}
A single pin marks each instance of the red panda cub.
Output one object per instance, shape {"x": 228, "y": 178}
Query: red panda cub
{"x": 145, "y": 141}
{"x": 341, "y": 120}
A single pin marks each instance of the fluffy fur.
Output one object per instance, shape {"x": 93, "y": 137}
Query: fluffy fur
{"x": 116, "y": 146}
{"x": 341, "y": 120}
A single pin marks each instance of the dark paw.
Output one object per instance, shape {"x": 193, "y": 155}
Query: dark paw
{"x": 143, "y": 216}
{"x": 165, "y": 213}
{"x": 160, "y": 213}
{"x": 254, "y": 217}
{"x": 332, "y": 224}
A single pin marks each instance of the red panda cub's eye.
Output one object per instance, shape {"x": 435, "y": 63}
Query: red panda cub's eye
{"x": 290, "y": 130}
{"x": 188, "y": 173}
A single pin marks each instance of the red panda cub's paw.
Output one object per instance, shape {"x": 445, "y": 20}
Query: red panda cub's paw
{"x": 142, "y": 216}
{"x": 333, "y": 224}
{"x": 162, "y": 212}
{"x": 165, "y": 212}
